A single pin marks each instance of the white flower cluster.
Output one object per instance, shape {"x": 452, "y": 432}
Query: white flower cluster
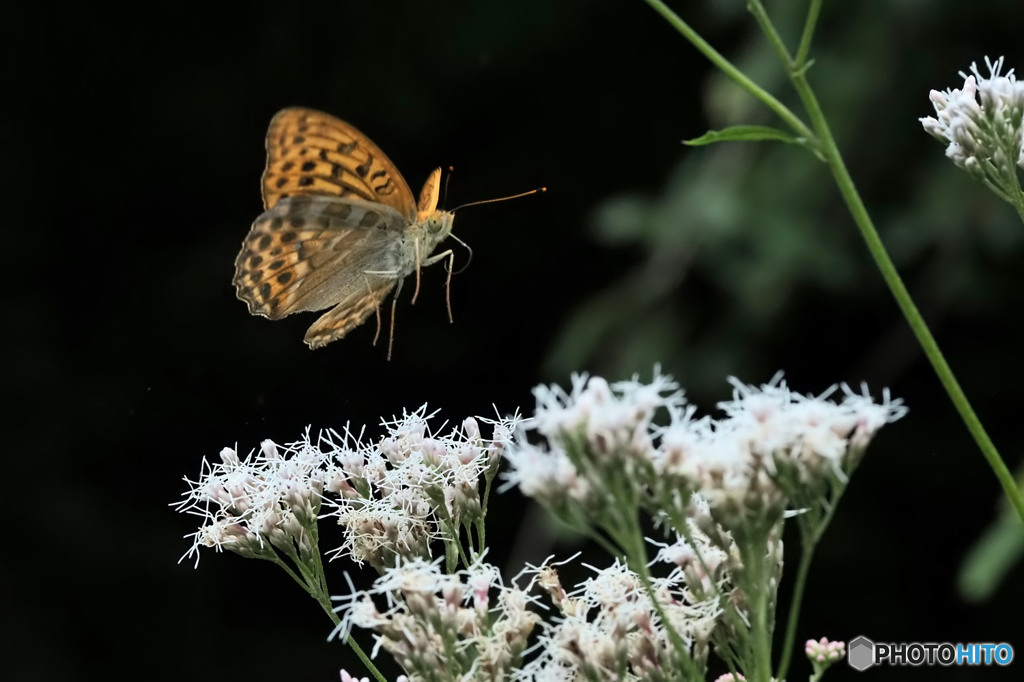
{"x": 981, "y": 123}
{"x": 599, "y": 437}
{"x": 413, "y": 486}
{"x": 824, "y": 651}
{"x": 471, "y": 626}
{"x": 392, "y": 496}
{"x": 269, "y": 496}
{"x": 610, "y": 627}
{"x": 438, "y": 626}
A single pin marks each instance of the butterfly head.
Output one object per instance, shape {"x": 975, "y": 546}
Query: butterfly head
{"x": 439, "y": 224}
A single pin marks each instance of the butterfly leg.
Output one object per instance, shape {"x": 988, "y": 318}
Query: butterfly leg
{"x": 376, "y": 334}
{"x": 450, "y": 256}
{"x": 437, "y": 258}
{"x": 416, "y": 293}
{"x": 394, "y": 304}
{"x": 448, "y": 286}
{"x": 369, "y": 290}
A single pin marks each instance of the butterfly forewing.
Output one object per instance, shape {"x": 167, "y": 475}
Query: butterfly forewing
{"x": 311, "y": 252}
{"x": 310, "y": 152}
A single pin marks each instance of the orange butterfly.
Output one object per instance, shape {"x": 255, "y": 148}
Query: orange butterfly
{"x": 341, "y": 228}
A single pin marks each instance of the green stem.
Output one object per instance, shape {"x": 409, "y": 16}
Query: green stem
{"x": 761, "y": 16}
{"x": 324, "y": 600}
{"x": 806, "y": 556}
{"x": 755, "y": 585}
{"x": 481, "y": 527}
{"x": 378, "y": 675}
{"x": 780, "y": 109}
{"x": 288, "y": 569}
{"x": 809, "y": 539}
{"x": 900, "y": 293}
{"x": 809, "y": 25}
{"x": 325, "y": 603}
{"x": 632, "y": 541}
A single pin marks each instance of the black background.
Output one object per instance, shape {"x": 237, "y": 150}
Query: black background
{"x": 133, "y": 141}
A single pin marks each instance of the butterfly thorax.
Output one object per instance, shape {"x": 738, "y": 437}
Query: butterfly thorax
{"x": 419, "y": 241}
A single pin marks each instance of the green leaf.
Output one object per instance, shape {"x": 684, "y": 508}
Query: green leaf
{"x": 744, "y": 134}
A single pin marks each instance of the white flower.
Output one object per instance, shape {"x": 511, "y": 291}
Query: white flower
{"x": 267, "y": 497}
{"x": 981, "y": 124}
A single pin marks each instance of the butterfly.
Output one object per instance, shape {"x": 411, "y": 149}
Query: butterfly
{"x": 341, "y": 228}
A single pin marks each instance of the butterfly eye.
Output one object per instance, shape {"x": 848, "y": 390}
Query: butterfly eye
{"x": 435, "y": 223}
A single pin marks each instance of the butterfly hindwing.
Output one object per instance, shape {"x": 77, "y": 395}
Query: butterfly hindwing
{"x": 310, "y": 152}
{"x": 312, "y": 252}
{"x": 350, "y": 311}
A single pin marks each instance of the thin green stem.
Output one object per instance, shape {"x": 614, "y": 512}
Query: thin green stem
{"x": 806, "y": 556}
{"x": 632, "y": 541}
{"x": 1016, "y": 197}
{"x": 481, "y": 527}
{"x": 809, "y": 539}
{"x": 902, "y": 296}
{"x": 377, "y": 675}
{"x": 780, "y": 109}
{"x": 324, "y": 600}
{"x": 808, "y": 35}
{"x": 761, "y": 16}
{"x": 998, "y": 191}
{"x": 603, "y": 542}
{"x": 276, "y": 560}
{"x": 317, "y": 561}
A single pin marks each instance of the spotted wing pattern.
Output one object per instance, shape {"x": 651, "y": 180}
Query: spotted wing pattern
{"x": 350, "y": 312}
{"x": 310, "y": 152}
{"x": 312, "y": 252}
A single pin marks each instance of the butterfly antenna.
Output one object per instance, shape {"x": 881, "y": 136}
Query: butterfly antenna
{"x": 447, "y": 181}
{"x": 492, "y": 201}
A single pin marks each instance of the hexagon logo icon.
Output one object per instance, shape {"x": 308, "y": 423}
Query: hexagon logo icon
{"x": 860, "y": 653}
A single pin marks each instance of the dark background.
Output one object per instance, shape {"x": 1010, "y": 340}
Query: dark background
{"x": 133, "y": 143}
